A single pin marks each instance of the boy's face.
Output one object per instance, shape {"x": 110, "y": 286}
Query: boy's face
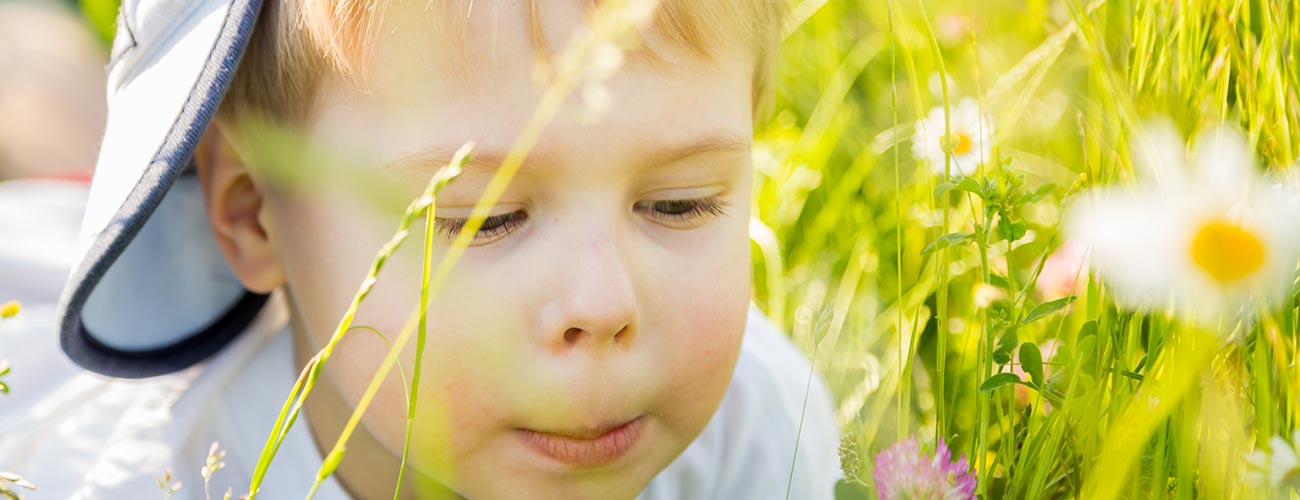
{"x": 611, "y": 291}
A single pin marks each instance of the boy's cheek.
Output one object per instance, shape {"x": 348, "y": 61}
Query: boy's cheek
{"x": 710, "y": 334}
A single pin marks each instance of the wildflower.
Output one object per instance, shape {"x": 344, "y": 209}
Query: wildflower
{"x": 849, "y": 457}
{"x": 9, "y": 309}
{"x": 1205, "y": 242}
{"x": 969, "y": 140}
{"x": 8, "y": 482}
{"x": 903, "y": 472}
{"x": 1278, "y": 468}
{"x": 1063, "y": 272}
{"x": 215, "y": 463}
{"x": 167, "y": 486}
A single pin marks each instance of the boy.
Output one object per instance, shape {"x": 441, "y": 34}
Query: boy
{"x": 594, "y": 341}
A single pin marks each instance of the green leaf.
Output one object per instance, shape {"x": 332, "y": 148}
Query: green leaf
{"x": 999, "y": 281}
{"x": 1089, "y": 329}
{"x": 1011, "y": 179}
{"x": 1009, "y": 341}
{"x": 946, "y": 241}
{"x": 1046, "y": 308}
{"x": 1063, "y": 356}
{"x": 1087, "y": 347}
{"x": 970, "y": 185}
{"x": 1037, "y": 194}
{"x": 999, "y": 380}
{"x": 1012, "y": 228}
{"x": 851, "y": 490}
{"x": 1087, "y": 353}
{"x": 963, "y": 184}
{"x": 1031, "y": 361}
{"x": 1000, "y": 310}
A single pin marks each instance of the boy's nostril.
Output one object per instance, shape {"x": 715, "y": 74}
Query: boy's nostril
{"x": 573, "y": 335}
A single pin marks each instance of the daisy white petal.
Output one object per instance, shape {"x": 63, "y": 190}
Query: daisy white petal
{"x": 1129, "y": 236}
{"x": 969, "y": 140}
{"x": 1160, "y": 154}
{"x": 1223, "y": 158}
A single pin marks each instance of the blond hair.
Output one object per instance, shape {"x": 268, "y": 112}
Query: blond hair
{"x": 298, "y": 42}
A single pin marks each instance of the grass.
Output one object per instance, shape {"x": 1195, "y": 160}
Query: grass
{"x": 1067, "y": 83}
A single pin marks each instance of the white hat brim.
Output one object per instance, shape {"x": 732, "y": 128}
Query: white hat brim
{"x": 151, "y": 293}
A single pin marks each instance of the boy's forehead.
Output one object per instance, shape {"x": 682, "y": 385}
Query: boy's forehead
{"x": 422, "y": 95}
{"x": 652, "y": 119}
{"x": 646, "y": 156}
{"x": 494, "y": 42}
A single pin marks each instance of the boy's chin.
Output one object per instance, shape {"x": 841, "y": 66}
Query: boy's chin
{"x": 611, "y": 485}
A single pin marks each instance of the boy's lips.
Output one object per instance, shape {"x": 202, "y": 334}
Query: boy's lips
{"x": 585, "y": 446}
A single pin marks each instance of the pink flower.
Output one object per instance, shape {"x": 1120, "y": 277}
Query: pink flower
{"x": 903, "y": 472}
{"x": 1064, "y": 273}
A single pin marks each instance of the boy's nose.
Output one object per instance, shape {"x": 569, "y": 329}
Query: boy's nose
{"x": 595, "y": 303}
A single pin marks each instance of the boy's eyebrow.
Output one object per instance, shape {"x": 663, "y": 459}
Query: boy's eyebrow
{"x": 664, "y": 154}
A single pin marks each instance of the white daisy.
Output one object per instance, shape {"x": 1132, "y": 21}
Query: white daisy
{"x": 970, "y": 139}
{"x": 1205, "y": 241}
{"x": 1278, "y": 468}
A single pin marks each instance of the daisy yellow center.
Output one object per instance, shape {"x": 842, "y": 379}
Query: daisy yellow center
{"x": 964, "y": 144}
{"x": 1226, "y": 251}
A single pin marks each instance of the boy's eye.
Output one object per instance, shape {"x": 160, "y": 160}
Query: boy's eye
{"x": 682, "y": 212}
{"x": 493, "y": 227}
{"x": 678, "y": 213}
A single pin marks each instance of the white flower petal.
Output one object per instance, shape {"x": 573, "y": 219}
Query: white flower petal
{"x": 1130, "y": 234}
{"x": 963, "y": 118}
{"x": 1158, "y": 151}
{"x": 1284, "y": 460}
{"x": 1224, "y": 160}
{"x": 1257, "y": 459}
{"x": 1274, "y": 216}
{"x": 966, "y": 164}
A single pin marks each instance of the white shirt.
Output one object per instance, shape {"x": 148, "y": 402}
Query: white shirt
{"x": 79, "y": 435}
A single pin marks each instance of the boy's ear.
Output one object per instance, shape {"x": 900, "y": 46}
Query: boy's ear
{"x": 240, "y": 221}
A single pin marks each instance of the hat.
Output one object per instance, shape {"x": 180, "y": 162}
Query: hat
{"x": 151, "y": 293}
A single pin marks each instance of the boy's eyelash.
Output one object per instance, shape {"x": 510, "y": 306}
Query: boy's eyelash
{"x": 683, "y": 210}
{"x": 664, "y": 210}
{"x": 492, "y": 226}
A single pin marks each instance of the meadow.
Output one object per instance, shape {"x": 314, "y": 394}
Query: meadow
{"x": 945, "y": 292}
{"x": 1036, "y": 248}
